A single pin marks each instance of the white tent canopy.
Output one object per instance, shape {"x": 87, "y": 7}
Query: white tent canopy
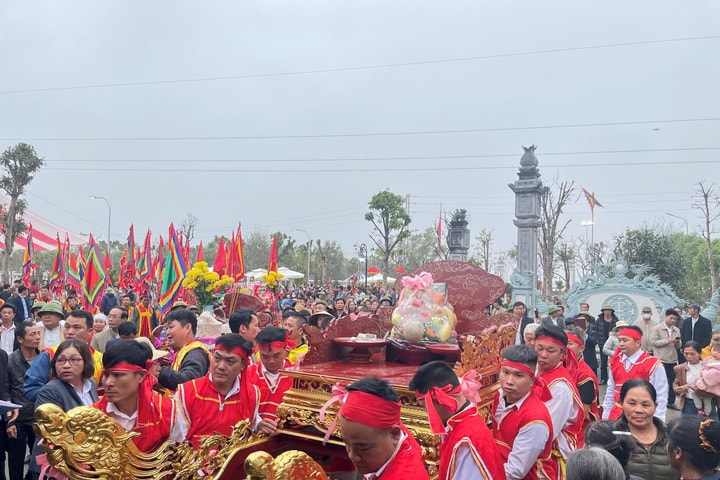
{"x": 289, "y": 274}
{"x": 379, "y": 278}
{"x": 256, "y": 274}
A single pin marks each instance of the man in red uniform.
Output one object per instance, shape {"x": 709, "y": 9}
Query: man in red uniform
{"x": 522, "y": 426}
{"x": 130, "y": 400}
{"x": 585, "y": 379}
{"x": 375, "y": 439}
{"x": 273, "y": 348}
{"x": 467, "y": 449}
{"x": 222, "y": 398}
{"x": 144, "y": 317}
{"x": 192, "y": 359}
{"x": 630, "y": 361}
{"x": 565, "y": 406}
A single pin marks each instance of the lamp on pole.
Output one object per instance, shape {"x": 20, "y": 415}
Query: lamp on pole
{"x": 362, "y": 250}
{"x": 95, "y": 197}
{"x": 307, "y": 272}
{"x": 687, "y": 226}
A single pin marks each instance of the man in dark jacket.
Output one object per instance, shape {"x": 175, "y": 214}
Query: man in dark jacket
{"x": 192, "y": 359}
{"x": 109, "y": 300}
{"x": 696, "y": 327}
{"x": 20, "y": 433}
{"x": 21, "y": 304}
{"x": 604, "y": 325}
{"x": 520, "y": 309}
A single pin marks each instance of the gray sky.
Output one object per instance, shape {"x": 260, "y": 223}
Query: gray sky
{"x": 502, "y": 84}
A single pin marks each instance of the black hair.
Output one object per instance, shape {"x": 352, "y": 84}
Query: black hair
{"x": 126, "y": 295}
{"x": 519, "y": 304}
{"x": 433, "y": 374}
{"x": 240, "y": 317}
{"x": 125, "y": 329}
{"x": 84, "y": 351}
{"x": 635, "y": 383}
{"x": 183, "y": 316}
{"x": 672, "y": 312}
{"x": 127, "y": 350}
{"x": 21, "y": 327}
{"x": 80, "y": 313}
{"x": 375, "y": 386}
{"x": 552, "y": 331}
{"x": 603, "y": 434}
{"x": 524, "y": 354}
{"x": 233, "y": 340}
{"x": 300, "y": 320}
{"x": 699, "y": 440}
{"x": 9, "y": 305}
{"x": 123, "y": 311}
{"x": 271, "y": 334}
{"x": 694, "y": 345}
{"x": 21, "y": 288}
{"x": 579, "y": 334}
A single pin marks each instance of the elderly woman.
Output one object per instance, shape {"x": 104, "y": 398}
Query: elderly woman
{"x": 529, "y": 334}
{"x": 72, "y": 368}
{"x": 619, "y": 444}
{"x": 593, "y": 464}
{"x": 686, "y": 375}
{"x": 694, "y": 447}
{"x": 649, "y": 458}
{"x": 100, "y": 321}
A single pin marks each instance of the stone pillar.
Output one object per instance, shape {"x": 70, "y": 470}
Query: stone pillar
{"x": 528, "y": 191}
{"x": 458, "y": 237}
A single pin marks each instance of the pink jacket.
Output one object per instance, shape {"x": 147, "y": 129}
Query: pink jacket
{"x": 709, "y": 380}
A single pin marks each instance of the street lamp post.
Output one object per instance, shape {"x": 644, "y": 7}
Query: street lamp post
{"x": 362, "y": 250}
{"x": 307, "y": 272}
{"x": 687, "y": 226}
{"x": 95, "y": 197}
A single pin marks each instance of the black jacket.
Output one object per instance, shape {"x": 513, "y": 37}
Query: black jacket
{"x": 702, "y": 333}
{"x": 16, "y": 368}
{"x": 195, "y": 365}
{"x": 602, "y": 329}
{"x": 17, "y": 302}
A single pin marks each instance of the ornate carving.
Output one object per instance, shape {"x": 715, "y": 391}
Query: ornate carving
{"x": 84, "y": 443}
{"x": 290, "y": 465}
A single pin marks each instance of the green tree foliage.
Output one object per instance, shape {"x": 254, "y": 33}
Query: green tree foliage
{"x": 693, "y": 275}
{"x": 390, "y": 221}
{"x": 653, "y": 247}
{"x": 19, "y": 164}
{"x": 552, "y": 228}
{"x": 419, "y": 248}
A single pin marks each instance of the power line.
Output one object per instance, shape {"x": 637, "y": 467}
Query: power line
{"x": 352, "y": 135}
{"x": 361, "y": 170}
{"x": 370, "y": 159}
{"x": 359, "y": 68}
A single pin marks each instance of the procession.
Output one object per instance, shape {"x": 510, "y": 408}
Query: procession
{"x": 359, "y": 240}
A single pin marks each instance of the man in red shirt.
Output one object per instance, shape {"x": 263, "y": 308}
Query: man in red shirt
{"x": 467, "y": 449}
{"x": 376, "y": 441}
{"x": 223, "y": 397}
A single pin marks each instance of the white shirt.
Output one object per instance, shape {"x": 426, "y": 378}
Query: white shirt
{"x": 563, "y": 412}
{"x": 528, "y": 444}
{"x": 658, "y": 380}
{"x": 52, "y": 337}
{"x": 178, "y": 428}
{"x": 380, "y": 470}
{"x": 84, "y": 394}
{"x": 7, "y": 338}
{"x": 692, "y": 375}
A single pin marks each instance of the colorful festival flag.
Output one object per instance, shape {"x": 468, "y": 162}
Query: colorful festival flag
{"x": 28, "y": 264}
{"x": 273, "y": 261}
{"x": 175, "y": 272}
{"x": 73, "y": 276}
{"x": 592, "y": 201}
{"x": 57, "y": 277}
{"x": 94, "y": 281}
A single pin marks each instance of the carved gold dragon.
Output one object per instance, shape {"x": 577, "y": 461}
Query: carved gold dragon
{"x": 86, "y": 444}
{"x": 290, "y": 465}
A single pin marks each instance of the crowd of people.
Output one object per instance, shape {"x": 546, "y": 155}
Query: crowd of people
{"x": 547, "y": 419}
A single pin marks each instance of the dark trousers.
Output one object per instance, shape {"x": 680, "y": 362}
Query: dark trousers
{"x": 690, "y": 409}
{"x": 17, "y": 449}
{"x": 670, "y": 378}
{"x": 603, "y": 367}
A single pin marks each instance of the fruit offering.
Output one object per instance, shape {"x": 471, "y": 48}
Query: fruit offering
{"x": 423, "y": 314}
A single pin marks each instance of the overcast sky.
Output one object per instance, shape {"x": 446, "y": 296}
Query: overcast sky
{"x": 339, "y": 90}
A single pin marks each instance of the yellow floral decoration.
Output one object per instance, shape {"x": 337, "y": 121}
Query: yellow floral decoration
{"x": 272, "y": 279}
{"x": 205, "y": 283}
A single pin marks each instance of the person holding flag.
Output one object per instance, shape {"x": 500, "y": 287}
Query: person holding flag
{"x": 144, "y": 317}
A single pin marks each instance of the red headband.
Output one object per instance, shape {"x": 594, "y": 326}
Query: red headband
{"x": 371, "y": 410}
{"x": 127, "y": 367}
{"x": 574, "y": 338}
{"x": 539, "y": 387}
{"x": 630, "y": 332}
{"x": 549, "y": 339}
{"x": 236, "y": 350}
{"x": 287, "y": 343}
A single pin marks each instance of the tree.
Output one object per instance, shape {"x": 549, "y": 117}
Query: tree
{"x": 708, "y": 204}
{"x": 550, "y": 230}
{"x": 257, "y": 250}
{"x": 187, "y": 227}
{"x": 651, "y": 246}
{"x": 390, "y": 220}
{"x": 566, "y": 256}
{"x": 418, "y": 249}
{"x": 481, "y": 253}
{"x": 20, "y": 163}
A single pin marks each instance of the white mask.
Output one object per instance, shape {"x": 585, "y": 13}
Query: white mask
{"x": 647, "y": 316}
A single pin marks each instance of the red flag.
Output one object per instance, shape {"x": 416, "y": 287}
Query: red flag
{"x": 233, "y": 264}
{"x": 28, "y": 264}
{"x": 220, "y": 265}
{"x": 200, "y": 252}
{"x": 590, "y": 197}
{"x": 240, "y": 254}
{"x": 273, "y": 262}
{"x": 107, "y": 262}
